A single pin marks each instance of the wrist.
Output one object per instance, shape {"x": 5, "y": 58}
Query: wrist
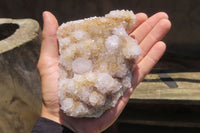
{"x": 54, "y": 116}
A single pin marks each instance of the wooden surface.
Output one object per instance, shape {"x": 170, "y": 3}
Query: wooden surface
{"x": 154, "y": 87}
{"x": 163, "y": 116}
{"x": 168, "y": 101}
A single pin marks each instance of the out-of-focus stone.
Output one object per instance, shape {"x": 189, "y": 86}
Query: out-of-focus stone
{"x": 20, "y": 95}
{"x": 27, "y": 30}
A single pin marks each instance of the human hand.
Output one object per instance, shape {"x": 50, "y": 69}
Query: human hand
{"x": 148, "y": 32}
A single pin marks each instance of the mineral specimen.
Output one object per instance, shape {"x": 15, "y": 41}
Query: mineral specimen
{"x": 96, "y": 62}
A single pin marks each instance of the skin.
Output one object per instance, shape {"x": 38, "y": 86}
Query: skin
{"x": 148, "y": 32}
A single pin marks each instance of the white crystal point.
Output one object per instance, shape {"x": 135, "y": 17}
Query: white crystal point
{"x": 95, "y": 62}
{"x": 68, "y": 104}
{"x": 96, "y": 99}
{"x": 120, "y": 31}
{"x": 112, "y": 43}
{"x": 79, "y": 34}
{"x": 81, "y": 65}
{"x": 104, "y": 83}
{"x": 131, "y": 49}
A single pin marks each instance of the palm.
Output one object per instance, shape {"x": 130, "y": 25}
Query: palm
{"x": 148, "y": 33}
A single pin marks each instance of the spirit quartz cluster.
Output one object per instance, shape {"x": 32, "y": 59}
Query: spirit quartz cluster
{"x": 96, "y": 62}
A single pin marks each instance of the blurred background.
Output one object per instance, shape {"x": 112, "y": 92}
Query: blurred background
{"x": 183, "y": 40}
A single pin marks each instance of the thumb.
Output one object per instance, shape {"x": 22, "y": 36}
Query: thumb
{"x": 49, "y": 48}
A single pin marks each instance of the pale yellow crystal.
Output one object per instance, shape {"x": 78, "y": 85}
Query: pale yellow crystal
{"x": 95, "y": 62}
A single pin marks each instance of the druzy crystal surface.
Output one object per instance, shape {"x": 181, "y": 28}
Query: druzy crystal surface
{"x": 96, "y": 62}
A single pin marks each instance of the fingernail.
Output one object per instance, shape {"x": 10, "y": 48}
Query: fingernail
{"x": 46, "y": 15}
